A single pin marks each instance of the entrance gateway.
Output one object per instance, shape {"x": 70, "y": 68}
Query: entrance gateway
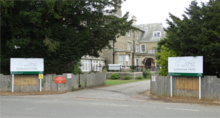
{"x": 26, "y": 66}
{"x": 185, "y": 66}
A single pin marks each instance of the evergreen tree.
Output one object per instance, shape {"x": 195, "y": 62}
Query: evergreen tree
{"x": 60, "y": 31}
{"x": 197, "y": 34}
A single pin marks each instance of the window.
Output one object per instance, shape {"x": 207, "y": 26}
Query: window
{"x": 129, "y": 33}
{"x": 86, "y": 65}
{"x": 121, "y": 60}
{"x": 142, "y": 48}
{"x": 95, "y": 65}
{"x": 129, "y": 46}
{"x": 137, "y": 48}
{"x": 136, "y": 62}
{"x": 151, "y": 51}
{"x": 127, "y": 60}
{"x": 157, "y": 34}
{"x": 137, "y": 35}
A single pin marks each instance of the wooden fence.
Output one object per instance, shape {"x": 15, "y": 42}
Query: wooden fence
{"x": 24, "y": 83}
{"x": 187, "y": 86}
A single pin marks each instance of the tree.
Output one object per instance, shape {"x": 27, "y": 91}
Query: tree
{"x": 163, "y": 53}
{"x": 60, "y": 31}
{"x": 197, "y": 34}
{"x": 163, "y": 60}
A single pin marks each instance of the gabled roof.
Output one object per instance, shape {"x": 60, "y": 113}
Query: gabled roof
{"x": 147, "y": 35}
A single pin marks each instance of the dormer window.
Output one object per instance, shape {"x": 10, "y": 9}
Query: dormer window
{"x": 137, "y": 34}
{"x": 157, "y": 34}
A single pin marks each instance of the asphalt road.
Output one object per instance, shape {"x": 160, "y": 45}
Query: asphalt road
{"x": 122, "y": 101}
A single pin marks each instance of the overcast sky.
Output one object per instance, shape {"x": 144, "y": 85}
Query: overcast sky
{"x": 155, "y": 11}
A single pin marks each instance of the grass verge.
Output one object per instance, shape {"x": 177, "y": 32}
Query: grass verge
{"x": 115, "y": 82}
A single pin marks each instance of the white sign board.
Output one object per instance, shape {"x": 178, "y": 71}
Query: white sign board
{"x": 114, "y": 66}
{"x": 153, "y": 78}
{"x": 69, "y": 76}
{"x": 27, "y": 65}
{"x": 185, "y": 66}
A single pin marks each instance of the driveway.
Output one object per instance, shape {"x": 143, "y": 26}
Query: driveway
{"x": 123, "y": 92}
{"x": 112, "y": 101}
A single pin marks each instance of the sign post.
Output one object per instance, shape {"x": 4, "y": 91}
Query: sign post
{"x": 185, "y": 66}
{"x": 199, "y": 87}
{"x": 171, "y": 87}
{"x": 12, "y": 83}
{"x": 26, "y": 66}
{"x": 40, "y": 77}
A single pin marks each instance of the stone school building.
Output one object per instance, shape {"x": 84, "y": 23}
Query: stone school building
{"x": 142, "y": 43}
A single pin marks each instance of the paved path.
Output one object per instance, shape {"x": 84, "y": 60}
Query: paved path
{"x": 114, "y": 101}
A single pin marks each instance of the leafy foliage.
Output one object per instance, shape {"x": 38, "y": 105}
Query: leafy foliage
{"x": 127, "y": 77}
{"x": 163, "y": 60}
{"x": 197, "y": 34}
{"x": 60, "y": 31}
{"x": 139, "y": 77}
{"x": 76, "y": 68}
{"x": 146, "y": 72}
{"x": 114, "y": 76}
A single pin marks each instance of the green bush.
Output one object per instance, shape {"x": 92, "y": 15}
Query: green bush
{"x": 114, "y": 76}
{"x": 127, "y": 77}
{"x": 132, "y": 68}
{"x": 139, "y": 77}
{"x": 146, "y": 72}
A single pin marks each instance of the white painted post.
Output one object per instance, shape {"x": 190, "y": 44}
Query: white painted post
{"x": 171, "y": 94}
{"x": 199, "y": 87}
{"x": 12, "y": 83}
{"x": 40, "y": 85}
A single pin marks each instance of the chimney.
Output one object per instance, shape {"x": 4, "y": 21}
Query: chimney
{"x": 134, "y": 20}
{"x": 118, "y": 9}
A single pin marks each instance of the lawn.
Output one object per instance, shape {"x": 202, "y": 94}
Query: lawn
{"x": 115, "y": 82}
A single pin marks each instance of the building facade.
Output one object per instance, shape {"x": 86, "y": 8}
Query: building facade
{"x": 142, "y": 43}
{"x": 136, "y": 48}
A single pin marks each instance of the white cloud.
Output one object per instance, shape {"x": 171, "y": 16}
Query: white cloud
{"x": 155, "y": 11}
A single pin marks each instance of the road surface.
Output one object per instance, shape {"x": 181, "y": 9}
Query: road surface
{"x": 121, "y": 101}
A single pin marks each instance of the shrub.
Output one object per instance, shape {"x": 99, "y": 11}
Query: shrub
{"x": 148, "y": 76}
{"x": 132, "y": 68}
{"x": 104, "y": 69}
{"x": 127, "y": 77}
{"x": 114, "y": 76}
{"x": 146, "y": 72}
{"x": 139, "y": 77}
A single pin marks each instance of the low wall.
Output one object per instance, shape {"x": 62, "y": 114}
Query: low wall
{"x": 187, "y": 86}
{"x": 32, "y": 83}
{"x": 133, "y": 75}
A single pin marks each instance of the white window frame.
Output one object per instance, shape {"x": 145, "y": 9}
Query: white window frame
{"x": 156, "y": 34}
{"x": 137, "y": 48}
{"x": 127, "y": 60}
{"x": 129, "y": 33}
{"x": 129, "y": 46}
{"x": 95, "y": 65}
{"x": 141, "y": 48}
{"x": 86, "y": 65}
{"x": 136, "y": 61}
{"x": 120, "y": 62}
